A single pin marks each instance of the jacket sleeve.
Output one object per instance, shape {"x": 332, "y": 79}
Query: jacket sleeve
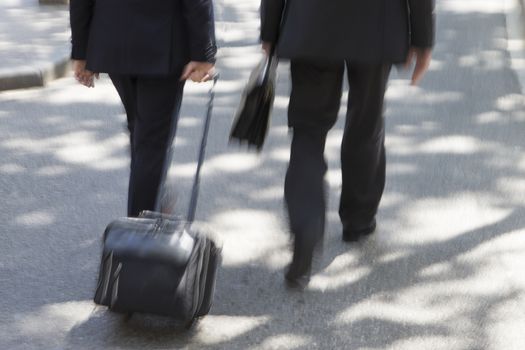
{"x": 201, "y": 29}
{"x": 271, "y": 15}
{"x": 422, "y": 23}
{"x": 80, "y": 13}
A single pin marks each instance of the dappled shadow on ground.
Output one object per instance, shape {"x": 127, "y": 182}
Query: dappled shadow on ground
{"x": 442, "y": 271}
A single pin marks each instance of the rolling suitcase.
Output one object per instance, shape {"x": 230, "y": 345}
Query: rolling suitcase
{"x": 158, "y": 263}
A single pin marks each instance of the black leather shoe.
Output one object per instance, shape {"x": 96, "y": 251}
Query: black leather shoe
{"x": 296, "y": 281}
{"x": 298, "y": 274}
{"x": 353, "y": 235}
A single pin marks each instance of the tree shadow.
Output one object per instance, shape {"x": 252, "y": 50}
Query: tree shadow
{"x": 437, "y": 274}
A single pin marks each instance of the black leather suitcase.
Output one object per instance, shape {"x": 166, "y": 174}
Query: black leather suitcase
{"x": 158, "y": 263}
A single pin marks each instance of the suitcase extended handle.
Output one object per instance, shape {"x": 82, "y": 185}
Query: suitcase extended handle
{"x": 202, "y": 152}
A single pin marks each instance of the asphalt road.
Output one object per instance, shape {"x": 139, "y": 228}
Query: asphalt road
{"x": 444, "y": 270}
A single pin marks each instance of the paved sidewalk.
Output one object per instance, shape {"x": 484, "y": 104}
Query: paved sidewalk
{"x": 34, "y": 43}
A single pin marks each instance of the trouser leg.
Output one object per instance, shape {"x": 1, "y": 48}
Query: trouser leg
{"x": 304, "y": 183}
{"x": 363, "y": 151}
{"x": 151, "y": 110}
{"x": 126, "y": 87}
{"x": 314, "y": 104}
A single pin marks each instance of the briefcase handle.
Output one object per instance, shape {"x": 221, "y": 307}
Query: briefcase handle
{"x": 190, "y": 217}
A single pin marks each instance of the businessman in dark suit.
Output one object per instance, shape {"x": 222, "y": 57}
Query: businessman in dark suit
{"x": 321, "y": 38}
{"x": 149, "y": 48}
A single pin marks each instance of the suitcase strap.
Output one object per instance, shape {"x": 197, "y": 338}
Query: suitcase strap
{"x": 202, "y": 152}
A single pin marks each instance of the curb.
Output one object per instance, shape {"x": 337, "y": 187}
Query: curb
{"x": 20, "y": 69}
{"x": 34, "y": 77}
{"x": 515, "y": 14}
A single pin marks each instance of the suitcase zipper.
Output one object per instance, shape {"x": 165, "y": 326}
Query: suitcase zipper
{"x": 108, "y": 262}
{"x": 204, "y": 276}
{"x": 114, "y": 290}
{"x": 197, "y": 283}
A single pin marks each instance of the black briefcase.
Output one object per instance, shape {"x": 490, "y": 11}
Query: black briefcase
{"x": 159, "y": 263}
{"x": 252, "y": 118}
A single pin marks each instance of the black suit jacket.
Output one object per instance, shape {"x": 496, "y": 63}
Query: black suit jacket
{"x": 142, "y": 36}
{"x": 361, "y": 30}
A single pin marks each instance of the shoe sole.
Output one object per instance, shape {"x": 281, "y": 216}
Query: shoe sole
{"x": 356, "y": 235}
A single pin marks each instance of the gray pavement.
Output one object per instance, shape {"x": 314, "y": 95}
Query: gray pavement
{"x": 34, "y": 43}
{"x": 443, "y": 271}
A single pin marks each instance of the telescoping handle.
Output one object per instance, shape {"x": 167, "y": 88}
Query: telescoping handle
{"x": 161, "y": 195}
{"x": 202, "y": 151}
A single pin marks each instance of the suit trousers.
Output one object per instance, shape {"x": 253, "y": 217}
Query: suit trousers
{"x": 152, "y": 105}
{"x": 314, "y": 105}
